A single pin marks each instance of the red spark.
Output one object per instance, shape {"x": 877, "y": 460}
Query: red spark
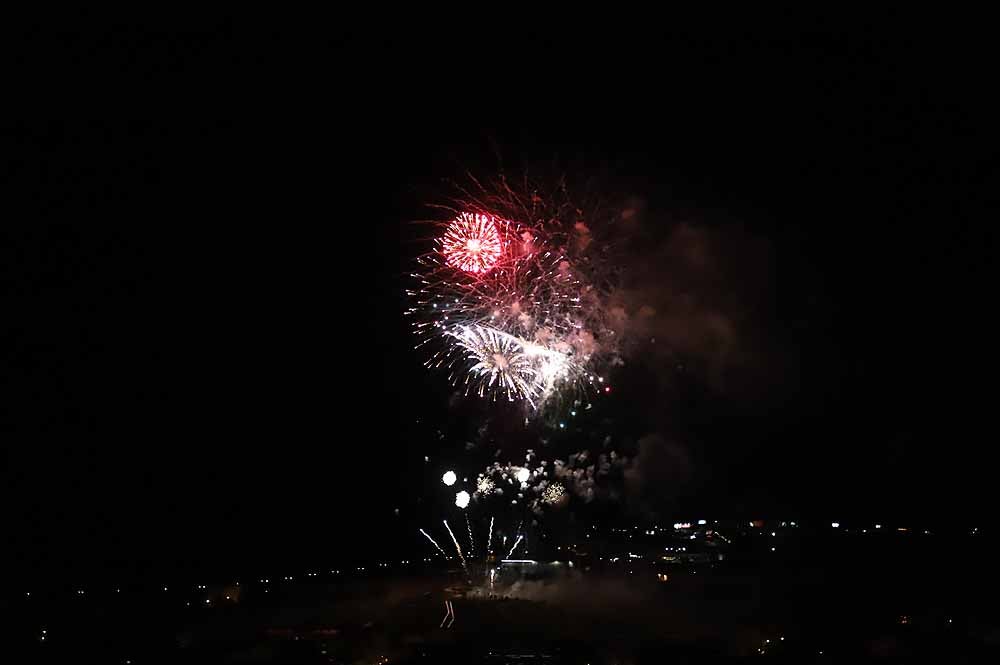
{"x": 472, "y": 243}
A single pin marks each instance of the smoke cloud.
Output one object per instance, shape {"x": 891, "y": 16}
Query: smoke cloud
{"x": 699, "y": 300}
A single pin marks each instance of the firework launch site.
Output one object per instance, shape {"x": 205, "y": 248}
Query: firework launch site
{"x": 721, "y": 592}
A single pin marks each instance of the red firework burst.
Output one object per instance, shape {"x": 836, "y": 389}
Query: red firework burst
{"x": 472, "y": 243}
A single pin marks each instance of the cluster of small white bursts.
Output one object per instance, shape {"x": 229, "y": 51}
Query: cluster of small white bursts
{"x": 512, "y": 315}
{"x": 523, "y": 482}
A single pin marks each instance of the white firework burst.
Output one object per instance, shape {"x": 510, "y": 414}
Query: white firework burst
{"x": 521, "y": 369}
{"x": 499, "y": 361}
{"x": 553, "y": 494}
{"x": 485, "y": 486}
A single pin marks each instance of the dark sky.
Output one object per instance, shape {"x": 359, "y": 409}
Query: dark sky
{"x": 205, "y": 359}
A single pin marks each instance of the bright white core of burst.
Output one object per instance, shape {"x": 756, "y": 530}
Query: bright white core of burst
{"x": 513, "y": 365}
{"x": 462, "y": 499}
{"x": 449, "y": 478}
{"x": 523, "y": 475}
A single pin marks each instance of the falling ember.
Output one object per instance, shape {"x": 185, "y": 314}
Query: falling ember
{"x": 515, "y": 546}
{"x": 472, "y": 243}
{"x": 462, "y": 499}
{"x": 434, "y": 542}
{"x": 449, "y": 478}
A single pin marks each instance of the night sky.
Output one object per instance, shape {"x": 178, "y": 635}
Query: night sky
{"x": 204, "y": 358}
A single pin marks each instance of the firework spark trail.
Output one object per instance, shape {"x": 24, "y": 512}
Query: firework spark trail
{"x": 472, "y": 545}
{"x": 434, "y": 542}
{"x": 515, "y": 546}
{"x": 489, "y": 540}
{"x": 458, "y": 547}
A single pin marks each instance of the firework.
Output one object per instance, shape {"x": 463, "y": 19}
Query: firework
{"x": 489, "y": 539}
{"x": 458, "y": 548}
{"x": 472, "y": 243}
{"x": 553, "y": 494}
{"x": 485, "y": 486}
{"x": 515, "y": 367}
{"x": 516, "y": 542}
{"x": 434, "y": 542}
{"x": 462, "y": 499}
{"x": 531, "y": 479}
{"x": 550, "y": 482}
{"x": 500, "y": 361}
{"x": 516, "y": 294}
{"x": 449, "y": 478}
